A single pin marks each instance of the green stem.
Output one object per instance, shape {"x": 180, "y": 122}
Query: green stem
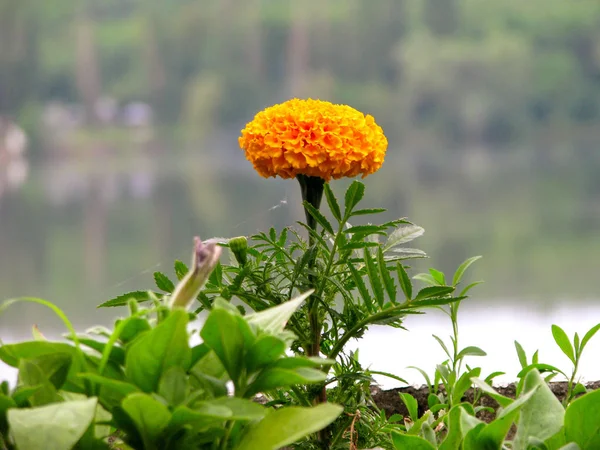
{"x": 225, "y": 438}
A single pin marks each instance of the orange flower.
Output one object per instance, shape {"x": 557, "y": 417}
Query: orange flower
{"x": 313, "y": 138}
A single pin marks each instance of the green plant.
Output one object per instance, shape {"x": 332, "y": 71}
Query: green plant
{"x": 144, "y": 380}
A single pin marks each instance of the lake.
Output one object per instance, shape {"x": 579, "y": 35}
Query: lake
{"x": 82, "y": 229}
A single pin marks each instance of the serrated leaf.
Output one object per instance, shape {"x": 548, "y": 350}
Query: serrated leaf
{"x": 121, "y": 300}
{"x": 319, "y": 217}
{"x": 404, "y": 281}
{"x": 362, "y": 289}
{"x": 374, "y": 277}
{"x": 434, "y": 291}
{"x": 402, "y": 235}
{"x": 181, "y": 269}
{"x": 354, "y": 194}
{"x": 462, "y": 269}
{"x": 388, "y": 281}
{"x": 367, "y": 211}
{"x": 163, "y": 282}
{"x": 334, "y": 207}
{"x": 366, "y": 229}
{"x": 562, "y": 340}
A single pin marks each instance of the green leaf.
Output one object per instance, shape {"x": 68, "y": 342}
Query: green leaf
{"x": 203, "y": 415}
{"x": 54, "y": 367}
{"x": 562, "y": 340}
{"x": 334, "y": 207}
{"x": 438, "y": 276}
{"x": 264, "y": 351}
{"x": 367, "y": 211}
{"x": 402, "y": 235}
{"x": 225, "y": 334}
{"x": 433, "y": 291}
{"x": 58, "y": 426}
{"x": 501, "y": 399}
{"x": 319, "y": 217}
{"x": 521, "y": 354}
{"x": 150, "y": 417}
{"x": 404, "y": 281}
{"x": 173, "y": 386}
{"x": 121, "y": 300}
{"x": 456, "y": 434}
{"x": 462, "y": 384}
{"x": 365, "y": 229}
{"x": 408, "y": 442}
{"x": 411, "y": 405}
{"x": 470, "y": 351}
{"x": 426, "y": 278}
{"x": 388, "y": 281}
{"x": 590, "y": 334}
{"x": 112, "y": 392}
{"x": 181, "y": 269}
{"x": 273, "y": 320}
{"x": 362, "y": 288}
{"x": 542, "y": 416}
{"x": 582, "y": 421}
{"x": 158, "y": 350}
{"x": 241, "y": 408}
{"x": 374, "y": 277}
{"x": 441, "y": 342}
{"x": 287, "y": 425}
{"x": 469, "y": 287}
{"x": 462, "y": 269}
{"x": 163, "y": 282}
{"x": 272, "y": 378}
{"x": 11, "y": 354}
{"x": 354, "y": 194}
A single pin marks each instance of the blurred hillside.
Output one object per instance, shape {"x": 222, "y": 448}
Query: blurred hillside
{"x": 462, "y": 73}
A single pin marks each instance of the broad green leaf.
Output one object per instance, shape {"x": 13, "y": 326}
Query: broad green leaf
{"x": 158, "y": 350}
{"x": 163, "y": 283}
{"x": 541, "y": 368}
{"x": 433, "y": 291}
{"x": 590, "y": 334}
{"x": 30, "y": 374}
{"x": 404, "y": 281}
{"x": 521, "y": 354}
{"x": 112, "y": 392}
{"x": 470, "y": 351}
{"x": 226, "y": 334}
{"x": 58, "y": 426}
{"x": 54, "y": 367}
{"x": 11, "y": 354}
{"x": 203, "y": 415}
{"x": 408, "y": 442}
{"x": 22, "y": 394}
{"x": 582, "y": 421}
{"x": 455, "y": 435}
{"x": 5, "y": 404}
{"x": 570, "y": 446}
{"x": 373, "y": 277}
{"x": 319, "y": 217}
{"x": 462, "y": 269}
{"x": 354, "y": 194}
{"x": 121, "y": 300}
{"x": 411, "y": 405}
{"x": 265, "y": 350}
{"x": 494, "y": 433}
{"x": 562, "y": 340}
{"x": 402, "y": 235}
{"x": 388, "y": 281}
{"x": 173, "y": 386}
{"x": 438, "y": 276}
{"x": 542, "y": 416}
{"x": 273, "y": 320}
{"x": 133, "y": 327}
{"x": 287, "y": 425}
{"x": 241, "y": 408}
{"x": 117, "y": 354}
{"x": 150, "y": 417}
{"x": 334, "y": 207}
{"x": 272, "y": 378}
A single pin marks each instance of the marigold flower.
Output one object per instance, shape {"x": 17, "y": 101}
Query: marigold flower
{"x": 313, "y": 138}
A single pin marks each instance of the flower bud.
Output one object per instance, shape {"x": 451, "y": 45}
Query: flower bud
{"x": 204, "y": 260}
{"x": 239, "y": 247}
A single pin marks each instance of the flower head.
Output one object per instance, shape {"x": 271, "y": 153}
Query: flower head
{"x": 313, "y": 138}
